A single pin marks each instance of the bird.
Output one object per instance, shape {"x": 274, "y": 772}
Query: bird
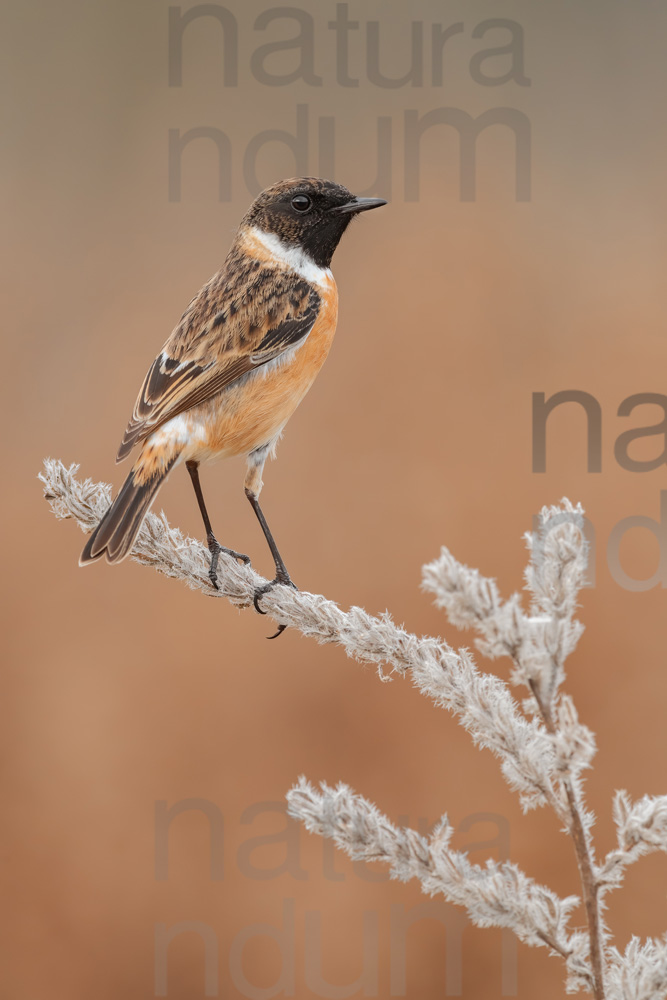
{"x": 234, "y": 369}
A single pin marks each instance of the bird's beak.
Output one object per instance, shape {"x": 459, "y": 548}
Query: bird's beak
{"x": 357, "y": 205}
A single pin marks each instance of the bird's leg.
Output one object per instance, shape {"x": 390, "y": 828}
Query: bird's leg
{"x": 253, "y": 485}
{"x": 282, "y": 576}
{"x": 214, "y": 546}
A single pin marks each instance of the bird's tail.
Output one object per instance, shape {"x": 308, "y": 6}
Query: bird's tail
{"x": 114, "y": 536}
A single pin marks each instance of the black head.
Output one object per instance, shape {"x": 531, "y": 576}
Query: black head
{"x": 309, "y": 213}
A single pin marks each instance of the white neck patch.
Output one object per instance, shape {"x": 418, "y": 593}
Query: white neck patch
{"x": 293, "y": 258}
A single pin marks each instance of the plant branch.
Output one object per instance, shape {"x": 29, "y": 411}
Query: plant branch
{"x": 537, "y": 644}
{"x": 498, "y": 895}
{"x": 585, "y": 863}
{"x": 481, "y": 702}
{"x": 542, "y": 753}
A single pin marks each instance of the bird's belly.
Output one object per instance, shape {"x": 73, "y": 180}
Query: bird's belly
{"x": 250, "y": 414}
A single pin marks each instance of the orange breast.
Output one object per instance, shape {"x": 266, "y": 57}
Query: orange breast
{"x": 249, "y": 415}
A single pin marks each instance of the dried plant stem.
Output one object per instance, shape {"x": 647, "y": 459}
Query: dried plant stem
{"x": 589, "y": 884}
{"x": 589, "y": 891}
{"x": 554, "y": 945}
{"x": 543, "y": 751}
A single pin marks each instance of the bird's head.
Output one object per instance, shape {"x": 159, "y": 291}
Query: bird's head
{"x": 307, "y": 213}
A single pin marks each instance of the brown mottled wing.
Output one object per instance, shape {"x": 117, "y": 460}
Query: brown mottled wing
{"x": 212, "y": 347}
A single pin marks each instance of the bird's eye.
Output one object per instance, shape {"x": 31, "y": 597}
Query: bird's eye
{"x": 301, "y": 203}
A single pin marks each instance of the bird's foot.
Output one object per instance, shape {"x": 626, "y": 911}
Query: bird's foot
{"x": 283, "y": 578}
{"x": 215, "y": 548}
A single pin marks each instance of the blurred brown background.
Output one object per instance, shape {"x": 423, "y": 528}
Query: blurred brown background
{"x": 122, "y": 688}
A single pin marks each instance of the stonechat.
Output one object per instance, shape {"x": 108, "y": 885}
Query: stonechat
{"x": 239, "y": 362}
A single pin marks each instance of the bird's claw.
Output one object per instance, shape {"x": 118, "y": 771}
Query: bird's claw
{"x": 285, "y": 581}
